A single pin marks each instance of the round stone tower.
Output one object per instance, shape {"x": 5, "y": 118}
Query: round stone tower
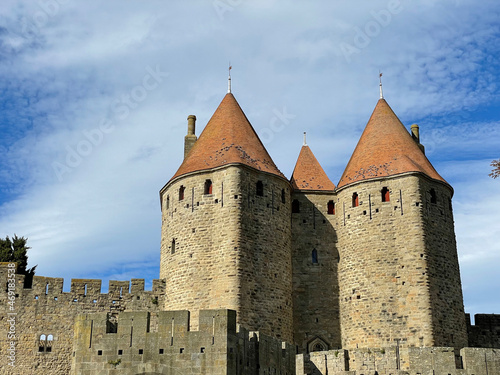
{"x": 399, "y": 280}
{"x": 226, "y": 231}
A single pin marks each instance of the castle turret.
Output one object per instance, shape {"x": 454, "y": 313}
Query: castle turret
{"x": 315, "y": 256}
{"x": 399, "y": 278}
{"x": 226, "y": 228}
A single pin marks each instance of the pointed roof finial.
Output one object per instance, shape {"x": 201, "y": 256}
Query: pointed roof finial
{"x": 380, "y": 78}
{"x": 229, "y": 79}
{"x": 305, "y": 143}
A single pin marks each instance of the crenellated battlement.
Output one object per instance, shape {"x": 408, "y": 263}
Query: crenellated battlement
{"x": 46, "y": 304}
{"x": 218, "y": 343}
{"x": 485, "y": 333}
{"x": 174, "y": 325}
{"x": 396, "y": 360}
{"x": 81, "y": 289}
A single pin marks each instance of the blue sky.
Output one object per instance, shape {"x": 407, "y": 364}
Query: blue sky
{"x": 94, "y": 98}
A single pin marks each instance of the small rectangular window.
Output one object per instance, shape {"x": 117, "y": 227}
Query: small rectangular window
{"x": 386, "y": 195}
{"x": 314, "y": 256}
{"x": 331, "y": 208}
{"x": 208, "y": 187}
{"x": 259, "y": 190}
{"x": 433, "y": 196}
{"x": 355, "y": 200}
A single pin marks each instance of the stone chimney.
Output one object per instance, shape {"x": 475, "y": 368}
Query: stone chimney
{"x": 415, "y": 134}
{"x": 190, "y": 138}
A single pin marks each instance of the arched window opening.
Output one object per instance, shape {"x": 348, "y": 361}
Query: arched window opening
{"x": 181, "y": 192}
{"x": 208, "y": 187}
{"x": 45, "y": 343}
{"x": 317, "y": 345}
{"x": 295, "y": 206}
{"x": 41, "y": 343}
{"x": 314, "y": 256}
{"x": 331, "y": 208}
{"x": 48, "y": 346}
{"x": 283, "y": 200}
{"x": 168, "y": 202}
{"x": 433, "y": 196}
{"x": 172, "y": 247}
{"x": 386, "y": 195}
{"x": 259, "y": 189}
{"x": 355, "y": 200}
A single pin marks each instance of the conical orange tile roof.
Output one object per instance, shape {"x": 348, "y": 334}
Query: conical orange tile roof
{"x": 385, "y": 149}
{"x": 308, "y": 173}
{"x": 228, "y": 138}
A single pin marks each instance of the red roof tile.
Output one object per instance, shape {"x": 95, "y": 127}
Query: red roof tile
{"x": 228, "y": 138}
{"x": 385, "y": 149}
{"x": 308, "y": 173}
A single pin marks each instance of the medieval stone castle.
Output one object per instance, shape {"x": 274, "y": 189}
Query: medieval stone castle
{"x": 260, "y": 274}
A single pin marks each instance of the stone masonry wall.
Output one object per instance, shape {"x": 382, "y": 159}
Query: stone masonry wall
{"x": 315, "y": 278}
{"x": 485, "y": 333}
{"x": 232, "y": 247}
{"x": 216, "y": 348}
{"x": 383, "y": 276}
{"x": 46, "y": 310}
{"x": 407, "y": 361}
